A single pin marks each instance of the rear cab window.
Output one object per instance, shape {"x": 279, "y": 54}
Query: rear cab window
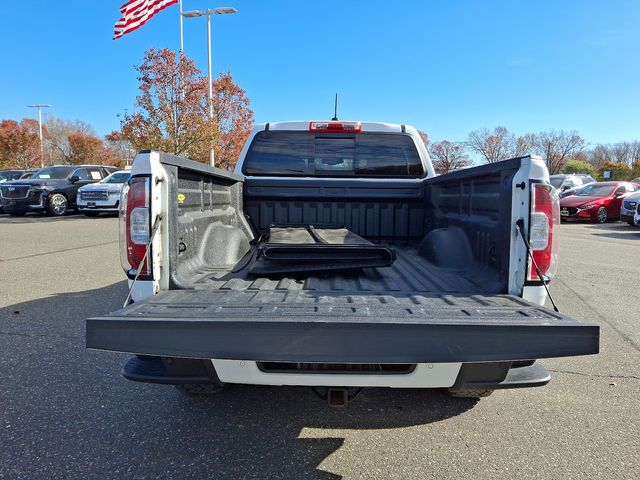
{"x": 313, "y": 154}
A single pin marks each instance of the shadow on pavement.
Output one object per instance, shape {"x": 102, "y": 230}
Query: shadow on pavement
{"x": 67, "y": 412}
{"x": 40, "y": 217}
{"x": 619, "y": 230}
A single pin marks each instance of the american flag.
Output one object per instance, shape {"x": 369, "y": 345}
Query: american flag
{"x": 135, "y": 13}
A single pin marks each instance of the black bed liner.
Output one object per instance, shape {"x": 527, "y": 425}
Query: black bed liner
{"x": 409, "y": 273}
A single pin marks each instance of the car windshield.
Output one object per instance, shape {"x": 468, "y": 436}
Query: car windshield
{"x": 556, "y": 181}
{"x": 8, "y": 176}
{"x": 595, "y": 191}
{"x": 52, "y": 172}
{"x": 118, "y": 177}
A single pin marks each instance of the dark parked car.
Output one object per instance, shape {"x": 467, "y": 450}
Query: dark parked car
{"x": 51, "y": 189}
{"x": 9, "y": 175}
{"x": 596, "y": 202}
{"x": 28, "y": 173}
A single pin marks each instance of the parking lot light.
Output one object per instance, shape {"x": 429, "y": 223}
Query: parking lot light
{"x": 40, "y": 106}
{"x": 208, "y": 13}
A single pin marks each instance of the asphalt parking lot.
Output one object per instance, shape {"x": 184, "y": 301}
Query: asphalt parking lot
{"x": 66, "y": 412}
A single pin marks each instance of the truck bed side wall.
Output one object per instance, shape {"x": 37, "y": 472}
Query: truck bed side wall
{"x": 476, "y": 201}
{"x": 205, "y": 219}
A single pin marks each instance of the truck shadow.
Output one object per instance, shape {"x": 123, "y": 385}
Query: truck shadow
{"x": 70, "y": 406}
{"x": 39, "y": 218}
{"x": 618, "y": 230}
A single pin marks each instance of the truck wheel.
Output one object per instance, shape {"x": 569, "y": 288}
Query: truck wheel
{"x": 57, "y": 205}
{"x": 480, "y": 393}
{"x": 602, "y": 215}
{"x": 200, "y": 389}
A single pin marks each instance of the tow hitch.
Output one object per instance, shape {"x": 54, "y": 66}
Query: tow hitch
{"x": 337, "y": 397}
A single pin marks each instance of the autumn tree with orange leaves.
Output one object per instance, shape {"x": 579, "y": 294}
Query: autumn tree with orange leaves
{"x": 173, "y": 111}
{"x": 19, "y": 144}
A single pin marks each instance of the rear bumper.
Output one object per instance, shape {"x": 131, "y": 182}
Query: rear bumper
{"x": 500, "y": 375}
{"x": 468, "y": 376}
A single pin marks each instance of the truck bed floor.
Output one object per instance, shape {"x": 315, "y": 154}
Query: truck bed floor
{"x": 409, "y": 273}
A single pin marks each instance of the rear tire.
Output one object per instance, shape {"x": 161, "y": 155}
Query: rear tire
{"x": 602, "y": 215}
{"x": 200, "y": 389}
{"x": 479, "y": 393}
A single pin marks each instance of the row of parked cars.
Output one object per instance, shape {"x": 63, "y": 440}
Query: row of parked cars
{"x": 92, "y": 189}
{"x": 582, "y": 198}
{"x": 55, "y": 190}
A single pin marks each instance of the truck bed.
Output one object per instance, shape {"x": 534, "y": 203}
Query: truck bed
{"x": 411, "y": 312}
{"x": 409, "y": 274}
{"x": 416, "y": 311}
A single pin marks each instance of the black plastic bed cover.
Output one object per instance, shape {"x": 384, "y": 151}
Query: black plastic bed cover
{"x": 306, "y": 326}
{"x": 309, "y": 248}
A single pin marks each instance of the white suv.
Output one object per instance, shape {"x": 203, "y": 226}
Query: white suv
{"x": 103, "y": 196}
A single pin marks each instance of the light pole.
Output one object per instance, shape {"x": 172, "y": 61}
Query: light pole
{"x": 40, "y": 106}
{"x": 208, "y": 13}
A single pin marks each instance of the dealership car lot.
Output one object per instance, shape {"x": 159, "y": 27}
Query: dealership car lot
{"x": 65, "y": 415}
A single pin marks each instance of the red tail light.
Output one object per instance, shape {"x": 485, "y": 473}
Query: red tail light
{"x": 543, "y": 231}
{"x": 134, "y": 225}
{"x": 345, "y": 127}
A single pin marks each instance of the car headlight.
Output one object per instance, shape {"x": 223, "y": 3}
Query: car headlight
{"x": 587, "y": 207}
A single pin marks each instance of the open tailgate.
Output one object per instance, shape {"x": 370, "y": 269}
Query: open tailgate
{"x": 302, "y": 326}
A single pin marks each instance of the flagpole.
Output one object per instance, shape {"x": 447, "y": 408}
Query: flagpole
{"x": 181, "y": 32}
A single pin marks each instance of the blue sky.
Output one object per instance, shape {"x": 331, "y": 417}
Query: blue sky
{"x": 446, "y": 67}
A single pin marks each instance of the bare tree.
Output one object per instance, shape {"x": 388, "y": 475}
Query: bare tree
{"x": 447, "y": 156}
{"x": 599, "y": 155}
{"x": 557, "y": 147}
{"x": 424, "y": 137}
{"x": 57, "y": 138}
{"x": 121, "y": 148}
{"x": 491, "y": 145}
{"x": 621, "y": 152}
{"x": 634, "y": 151}
{"x": 498, "y": 145}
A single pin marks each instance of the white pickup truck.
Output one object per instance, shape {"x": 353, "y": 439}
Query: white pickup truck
{"x": 335, "y": 258}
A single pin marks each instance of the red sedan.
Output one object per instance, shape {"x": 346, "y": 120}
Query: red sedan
{"x": 596, "y": 202}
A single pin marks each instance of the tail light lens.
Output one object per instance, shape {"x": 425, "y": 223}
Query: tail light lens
{"x": 543, "y": 231}
{"x": 134, "y": 225}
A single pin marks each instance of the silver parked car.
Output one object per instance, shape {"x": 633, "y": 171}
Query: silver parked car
{"x": 568, "y": 183}
{"x": 629, "y": 209}
{"x": 103, "y": 196}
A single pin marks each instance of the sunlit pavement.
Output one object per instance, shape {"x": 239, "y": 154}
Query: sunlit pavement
{"x": 67, "y": 413}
